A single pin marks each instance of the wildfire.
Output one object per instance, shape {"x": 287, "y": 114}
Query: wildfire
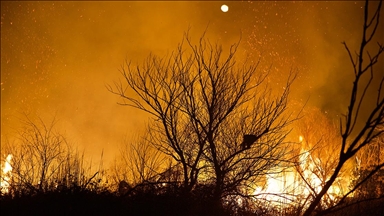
{"x": 290, "y": 185}
{"x": 6, "y": 174}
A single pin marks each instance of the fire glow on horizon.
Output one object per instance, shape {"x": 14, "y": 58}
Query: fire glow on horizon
{"x": 283, "y": 188}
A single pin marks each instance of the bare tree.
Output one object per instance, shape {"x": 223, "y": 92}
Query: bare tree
{"x": 354, "y": 138}
{"x": 249, "y": 143}
{"x": 38, "y": 153}
{"x": 158, "y": 87}
{"x": 44, "y": 161}
{"x": 214, "y": 116}
{"x": 370, "y": 158}
{"x": 320, "y": 140}
{"x": 139, "y": 162}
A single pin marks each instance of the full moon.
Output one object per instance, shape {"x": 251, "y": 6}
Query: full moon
{"x": 224, "y": 8}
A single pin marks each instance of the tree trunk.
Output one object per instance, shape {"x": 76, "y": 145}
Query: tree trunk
{"x": 324, "y": 190}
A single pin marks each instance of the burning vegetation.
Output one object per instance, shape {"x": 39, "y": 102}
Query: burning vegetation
{"x": 221, "y": 143}
{"x": 6, "y": 174}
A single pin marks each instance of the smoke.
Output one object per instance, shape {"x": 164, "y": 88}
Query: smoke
{"x": 57, "y": 57}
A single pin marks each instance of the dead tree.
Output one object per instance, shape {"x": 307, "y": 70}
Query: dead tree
{"x": 354, "y": 138}
{"x": 202, "y": 104}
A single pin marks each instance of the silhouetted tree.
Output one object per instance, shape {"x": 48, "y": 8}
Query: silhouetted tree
{"x": 368, "y": 159}
{"x": 204, "y": 106}
{"x": 138, "y": 162}
{"x": 44, "y": 161}
{"x": 355, "y": 138}
{"x": 38, "y": 152}
{"x": 319, "y": 138}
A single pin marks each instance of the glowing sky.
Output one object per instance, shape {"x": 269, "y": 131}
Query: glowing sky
{"x": 57, "y": 57}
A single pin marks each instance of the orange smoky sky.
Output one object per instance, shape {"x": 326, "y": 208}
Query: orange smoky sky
{"x": 57, "y": 57}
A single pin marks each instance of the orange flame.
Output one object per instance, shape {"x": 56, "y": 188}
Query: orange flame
{"x": 6, "y": 174}
{"x": 289, "y": 186}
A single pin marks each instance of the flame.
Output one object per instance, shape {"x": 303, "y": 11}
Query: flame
{"x": 289, "y": 186}
{"x": 6, "y": 174}
{"x": 277, "y": 187}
